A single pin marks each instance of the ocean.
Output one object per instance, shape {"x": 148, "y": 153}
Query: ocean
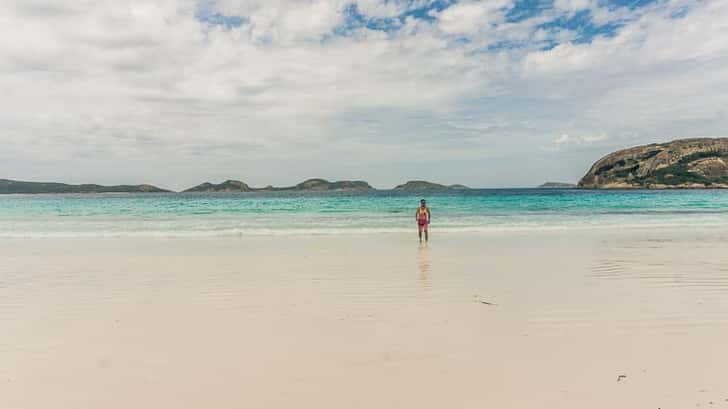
{"x": 332, "y": 213}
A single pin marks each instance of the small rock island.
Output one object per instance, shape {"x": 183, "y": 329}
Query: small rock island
{"x": 424, "y": 185}
{"x": 680, "y": 164}
{"x": 319, "y": 185}
{"x": 226, "y": 186}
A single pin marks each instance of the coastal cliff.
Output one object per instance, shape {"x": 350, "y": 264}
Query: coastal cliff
{"x": 15, "y": 186}
{"x": 686, "y": 163}
{"x": 424, "y": 185}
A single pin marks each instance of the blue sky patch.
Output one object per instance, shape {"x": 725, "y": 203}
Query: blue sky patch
{"x": 205, "y": 12}
{"x": 631, "y": 4}
{"x": 680, "y": 13}
{"x": 217, "y": 19}
{"x": 582, "y": 25}
{"x": 355, "y": 19}
{"x": 424, "y": 12}
{"x": 525, "y": 9}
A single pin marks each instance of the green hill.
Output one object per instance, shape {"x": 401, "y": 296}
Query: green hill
{"x": 14, "y": 186}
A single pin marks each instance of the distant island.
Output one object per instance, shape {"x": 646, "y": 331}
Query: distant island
{"x": 229, "y": 186}
{"x": 14, "y": 186}
{"x": 226, "y": 186}
{"x": 315, "y": 185}
{"x": 557, "y": 185}
{"x": 680, "y": 164}
{"x": 424, "y": 185}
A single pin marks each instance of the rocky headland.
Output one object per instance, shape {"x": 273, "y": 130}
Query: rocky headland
{"x": 680, "y": 164}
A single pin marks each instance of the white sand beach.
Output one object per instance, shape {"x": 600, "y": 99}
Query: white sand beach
{"x": 619, "y": 319}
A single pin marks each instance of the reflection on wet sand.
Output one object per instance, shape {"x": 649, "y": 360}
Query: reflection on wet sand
{"x": 424, "y": 264}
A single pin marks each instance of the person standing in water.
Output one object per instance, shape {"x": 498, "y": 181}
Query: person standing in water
{"x": 423, "y": 216}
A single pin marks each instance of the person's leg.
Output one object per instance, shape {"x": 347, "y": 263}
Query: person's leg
{"x": 419, "y": 231}
{"x": 427, "y": 238}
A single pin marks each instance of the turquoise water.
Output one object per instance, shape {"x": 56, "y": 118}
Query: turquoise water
{"x": 92, "y": 215}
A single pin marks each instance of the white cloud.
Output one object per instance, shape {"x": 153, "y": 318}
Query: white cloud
{"x": 573, "y": 6}
{"x": 565, "y": 139}
{"x": 107, "y": 84}
{"x": 392, "y": 8}
{"x": 284, "y": 21}
{"x": 470, "y": 17}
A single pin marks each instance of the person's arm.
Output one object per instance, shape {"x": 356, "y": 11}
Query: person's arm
{"x": 429, "y": 216}
{"x": 417, "y": 214}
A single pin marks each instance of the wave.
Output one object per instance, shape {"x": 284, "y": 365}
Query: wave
{"x": 351, "y": 231}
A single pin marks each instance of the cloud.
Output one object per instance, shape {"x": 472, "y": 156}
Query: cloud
{"x": 470, "y": 17}
{"x": 216, "y": 87}
{"x": 572, "y": 6}
{"x": 565, "y": 140}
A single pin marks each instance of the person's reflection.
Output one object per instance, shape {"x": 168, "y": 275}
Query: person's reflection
{"x": 424, "y": 264}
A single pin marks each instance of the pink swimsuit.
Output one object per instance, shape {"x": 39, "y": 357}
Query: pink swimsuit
{"x": 422, "y": 216}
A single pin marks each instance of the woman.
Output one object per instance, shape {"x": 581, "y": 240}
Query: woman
{"x": 423, "y": 216}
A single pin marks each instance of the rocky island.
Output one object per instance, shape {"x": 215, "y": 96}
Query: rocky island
{"x": 686, "y": 163}
{"x": 424, "y": 185}
{"x": 226, "y": 186}
{"x": 319, "y": 185}
{"x": 557, "y": 185}
{"x": 14, "y": 186}
{"x": 314, "y": 185}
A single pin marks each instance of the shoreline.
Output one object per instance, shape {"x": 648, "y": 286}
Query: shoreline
{"x": 484, "y": 231}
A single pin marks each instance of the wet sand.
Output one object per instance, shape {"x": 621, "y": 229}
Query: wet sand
{"x": 619, "y": 319}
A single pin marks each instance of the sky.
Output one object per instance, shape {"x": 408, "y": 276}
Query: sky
{"x": 489, "y": 93}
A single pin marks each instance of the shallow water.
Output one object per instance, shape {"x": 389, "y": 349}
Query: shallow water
{"x": 248, "y": 214}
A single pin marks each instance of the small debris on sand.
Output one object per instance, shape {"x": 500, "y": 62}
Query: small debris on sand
{"x": 482, "y": 301}
{"x": 621, "y": 377}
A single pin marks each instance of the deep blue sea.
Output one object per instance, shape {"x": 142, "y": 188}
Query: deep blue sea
{"x": 478, "y": 210}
